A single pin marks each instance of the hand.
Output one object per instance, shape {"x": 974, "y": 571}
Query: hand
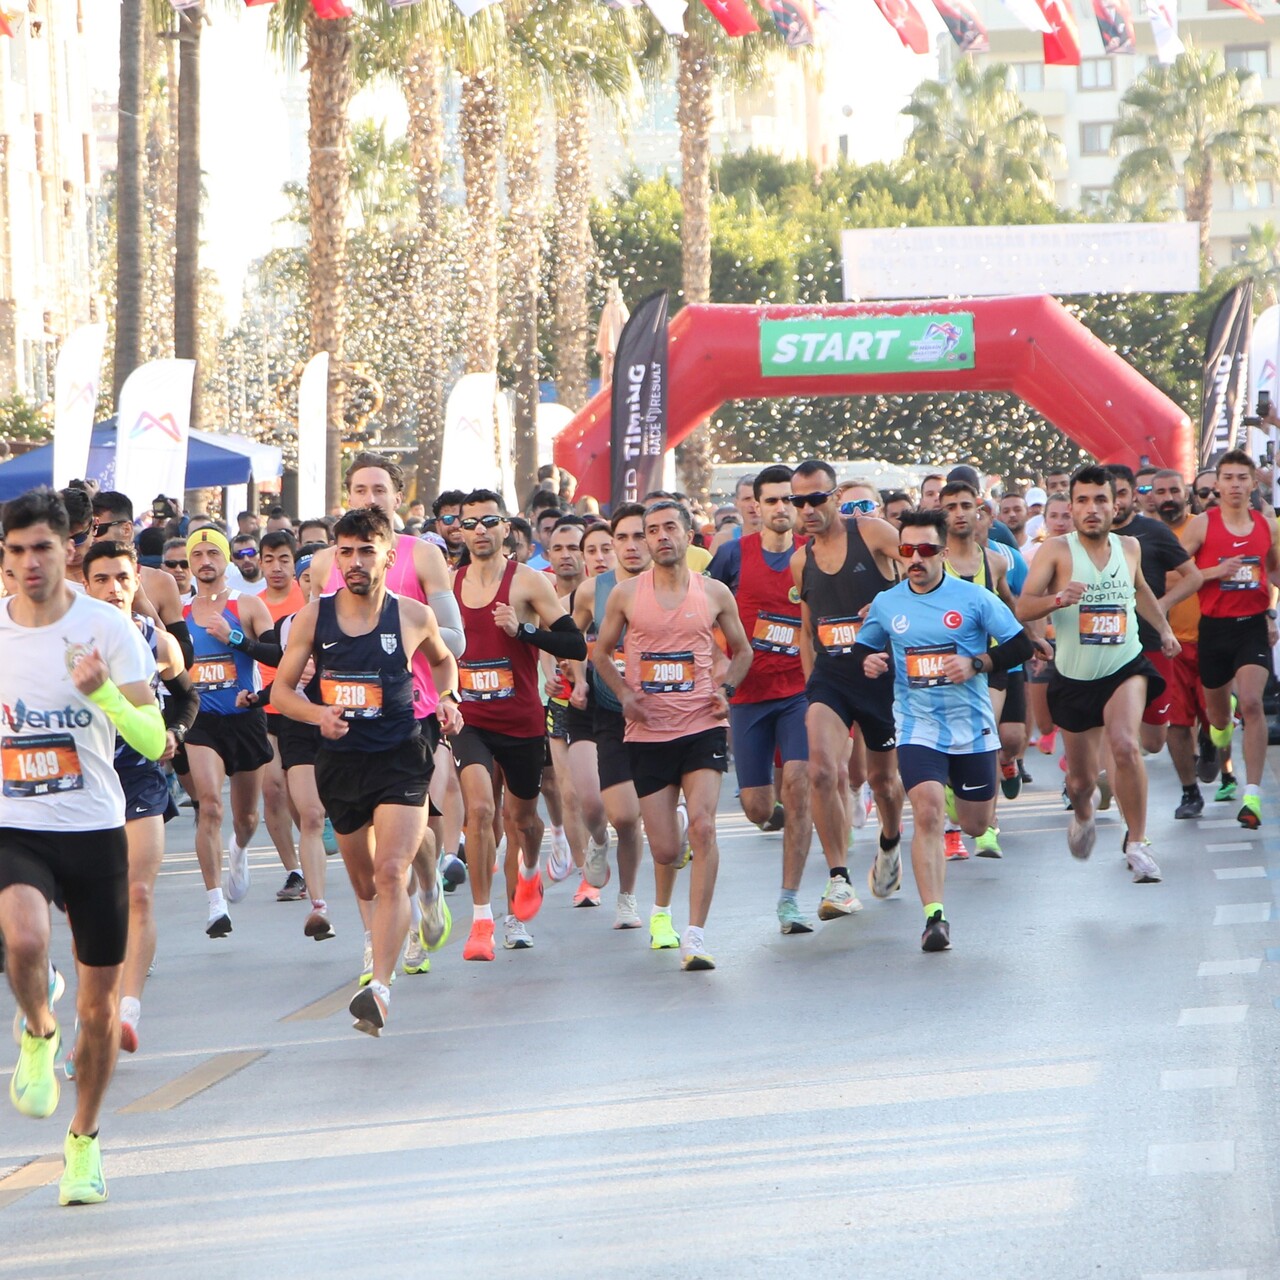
{"x": 219, "y": 629}
{"x": 1071, "y": 594}
{"x": 1170, "y": 647}
{"x": 332, "y": 725}
{"x": 90, "y": 673}
{"x": 958, "y": 667}
{"x": 450, "y": 717}
{"x": 246, "y": 698}
{"x": 875, "y": 665}
{"x": 1273, "y": 635}
{"x": 719, "y": 703}
{"x": 633, "y": 706}
{"x": 1044, "y": 650}
{"x": 578, "y": 698}
{"x": 505, "y": 616}
{"x": 1230, "y": 567}
{"x": 170, "y": 747}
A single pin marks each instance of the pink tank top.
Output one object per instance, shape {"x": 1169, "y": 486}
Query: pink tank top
{"x": 402, "y": 579}
{"x": 669, "y": 657}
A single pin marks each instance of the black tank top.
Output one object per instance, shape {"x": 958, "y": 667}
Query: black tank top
{"x": 368, "y": 676}
{"x": 836, "y": 599}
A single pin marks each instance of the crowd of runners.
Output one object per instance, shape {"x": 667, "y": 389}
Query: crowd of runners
{"x": 415, "y": 696}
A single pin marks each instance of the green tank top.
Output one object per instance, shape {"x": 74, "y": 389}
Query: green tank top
{"x": 1098, "y": 636}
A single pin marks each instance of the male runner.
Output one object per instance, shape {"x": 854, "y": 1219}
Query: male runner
{"x": 931, "y": 492}
{"x": 1091, "y": 581}
{"x": 835, "y": 578}
{"x": 374, "y": 764}
{"x": 447, "y": 513}
{"x": 749, "y": 516}
{"x": 501, "y": 604}
{"x": 75, "y": 672}
{"x": 940, "y": 631}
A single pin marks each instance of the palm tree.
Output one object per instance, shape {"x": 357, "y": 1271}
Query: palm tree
{"x": 1187, "y": 125}
{"x": 186, "y": 260}
{"x": 480, "y": 129}
{"x": 129, "y": 251}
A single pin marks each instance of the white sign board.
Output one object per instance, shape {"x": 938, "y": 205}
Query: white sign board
{"x": 994, "y": 262}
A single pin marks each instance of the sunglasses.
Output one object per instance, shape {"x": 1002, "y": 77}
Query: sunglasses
{"x": 245, "y": 553}
{"x": 1205, "y": 493}
{"x": 925, "y": 550}
{"x": 858, "y": 507}
{"x": 802, "y": 500}
{"x": 448, "y": 519}
{"x": 79, "y": 539}
{"x": 101, "y": 530}
{"x": 176, "y": 564}
{"x": 489, "y": 522}
{"x": 1144, "y": 488}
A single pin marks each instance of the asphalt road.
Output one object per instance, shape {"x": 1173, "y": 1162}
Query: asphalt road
{"x": 1084, "y": 1086}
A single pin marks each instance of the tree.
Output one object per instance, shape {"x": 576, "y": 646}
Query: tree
{"x": 186, "y": 263}
{"x": 129, "y": 252}
{"x": 1188, "y": 124}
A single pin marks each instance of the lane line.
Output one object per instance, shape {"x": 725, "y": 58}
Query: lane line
{"x": 1223, "y": 968}
{"x": 325, "y": 1007}
{"x": 1216, "y": 1015}
{"x": 1200, "y": 1078}
{"x": 1195, "y": 1275}
{"x": 197, "y": 1080}
{"x": 1243, "y": 913}
{"x": 1240, "y": 873}
{"x": 1167, "y": 1159}
{"x": 38, "y": 1173}
{"x": 1237, "y": 847}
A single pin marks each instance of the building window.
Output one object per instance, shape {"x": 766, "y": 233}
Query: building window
{"x": 1095, "y": 139}
{"x": 1097, "y": 73}
{"x": 1239, "y": 250}
{"x": 1261, "y": 197}
{"x": 1249, "y": 57}
{"x": 1092, "y": 198}
{"x": 1028, "y": 77}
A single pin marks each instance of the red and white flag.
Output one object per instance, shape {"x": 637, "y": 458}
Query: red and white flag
{"x": 331, "y": 9}
{"x": 964, "y": 25}
{"x": 1028, "y": 14}
{"x": 1062, "y": 40}
{"x": 1246, "y": 8}
{"x": 904, "y": 18}
{"x": 733, "y": 16}
{"x": 1164, "y": 27}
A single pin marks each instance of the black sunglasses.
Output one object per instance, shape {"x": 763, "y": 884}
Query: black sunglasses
{"x": 489, "y": 522}
{"x": 1205, "y": 493}
{"x": 79, "y": 539}
{"x": 448, "y": 519}
{"x": 803, "y": 500}
{"x": 102, "y": 529}
{"x": 176, "y": 564}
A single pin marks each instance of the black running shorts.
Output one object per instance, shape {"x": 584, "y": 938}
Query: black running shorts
{"x": 1078, "y": 705}
{"x": 613, "y": 760}
{"x": 656, "y": 765}
{"x": 520, "y": 759}
{"x": 240, "y": 740}
{"x": 866, "y": 703}
{"x": 353, "y": 784}
{"x": 1227, "y": 644}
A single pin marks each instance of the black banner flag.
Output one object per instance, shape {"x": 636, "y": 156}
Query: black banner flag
{"x": 1226, "y": 375}
{"x": 639, "y": 405}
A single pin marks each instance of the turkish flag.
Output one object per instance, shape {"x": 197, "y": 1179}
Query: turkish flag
{"x": 1246, "y": 8}
{"x": 1062, "y": 40}
{"x": 331, "y": 9}
{"x": 733, "y": 16}
{"x": 904, "y": 18}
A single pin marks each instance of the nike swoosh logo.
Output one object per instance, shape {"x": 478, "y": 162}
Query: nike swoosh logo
{"x": 717, "y": 756}
{"x": 1245, "y": 543}
{"x": 328, "y": 644}
{"x": 977, "y": 788}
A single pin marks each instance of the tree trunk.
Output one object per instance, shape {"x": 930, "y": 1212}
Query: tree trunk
{"x": 574, "y": 249}
{"x": 480, "y": 136}
{"x": 160, "y": 189}
{"x": 328, "y": 96}
{"x": 186, "y": 266}
{"x": 128, "y": 348}
{"x": 1200, "y": 209}
{"x": 695, "y": 86}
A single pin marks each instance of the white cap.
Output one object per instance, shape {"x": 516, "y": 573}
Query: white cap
{"x": 1036, "y": 497}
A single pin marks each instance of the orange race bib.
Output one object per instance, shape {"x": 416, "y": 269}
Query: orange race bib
{"x": 358, "y": 693}
{"x": 488, "y": 681}
{"x": 1248, "y": 577}
{"x": 41, "y": 764}
{"x": 1103, "y": 623}
{"x": 838, "y": 635}
{"x": 666, "y": 672}
{"x": 214, "y": 671}
{"x": 924, "y": 665}
{"x": 775, "y": 633}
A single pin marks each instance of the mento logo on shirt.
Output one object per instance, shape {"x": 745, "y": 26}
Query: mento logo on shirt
{"x": 901, "y": 623}
{"x": 74, "y": 652}
{"x": 389, "y": 643}
{"x": 952, "y": 620}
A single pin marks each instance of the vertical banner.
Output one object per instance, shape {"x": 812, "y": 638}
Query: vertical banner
{"x": 1164, "y": 29}
{"x": 1115, "y": 25}
{"x": 639, "y": 405}
{"x": 153, "y": 420}
{"x": 469, "y": 450}
{"x": 76, "y": 379}
{"x": 1226, "y": 374}
{"x": 964, "y": 25}
{"x": 313, "y": 416}
{"x": 1264, "y": 357}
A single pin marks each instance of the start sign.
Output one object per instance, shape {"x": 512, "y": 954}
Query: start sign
{"x": 822, "y": 347}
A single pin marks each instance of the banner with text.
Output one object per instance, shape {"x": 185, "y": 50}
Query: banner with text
{"x": 820, "y": 348}
{"x": 639, "y": 403}
{"x": 313, "y": 419}
{"x": 76, "y": 379}
{"x": 1226, "y": 374}
{"x": 152, "y": 425}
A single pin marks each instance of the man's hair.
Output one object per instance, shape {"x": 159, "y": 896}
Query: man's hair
{"x": 933, "y": 475}
{"x": 655, "y": 495}
{"x": 240, "y": 515}
{"x": 935, "y": 520}
{"x": 1118, "y": 471}
{"x": 170, "y": 543}
{"x": 367, "y": 458}
{"x": 814, "y": 467}
{"x": 670, "y": 504}
{"x": 953, "y": 487}
{"x": 477, "y": 496}
{"x": 625, "y": 511}
{"x": 278, "y": 513}
{"x": 325, "y": 522}
{"x": 1013, "y": 493}
{"x": 245, "y": 539}
{"x": 1232, "y": 458}
{"x": 449, "y": 498}
{"x": 570, "y": 522}
{"x": 369, "y": 524}
{"x": 1057, "y": 497}
{"x": 1056, "y": 471}
{"x": 78, "y": 504}
{"x": 896, "y": 495}
{"x": 542, "y": 498}
{"x": 151, "y": 541}
{"x": 748, "y": 480}
{"x": 549, "y": 513}
{"x": 1168, "y": 473}
{"x": 520, "y": 525}
{"x": 1147, "y": 470}
{"x": 108, "y": 549}
{"x": 37, "y": 506}
{"x": 779, "y": 473}
{"x": 308, "y": 549}
{"x": 279, "y": 538}
{"x": 109, "y": 502}
{"x": 1091, "y": 473}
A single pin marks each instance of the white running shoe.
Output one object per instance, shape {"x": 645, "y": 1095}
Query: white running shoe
{"x": 682, "y": 835}
{"x": 515, "y": 937}
{"x": 861, "y": 807}
{"x": 366, "y": 965}
{"x": 596, "y": 867}
{"x": 415, "y": 959}
{"x": 1141, "y": 863}
{"x": 1081, "y": 837}
{"x": 237, "y": 882}
{"x": 559, "y": 861}
{"x": 627, "y": 917}
{"x": 838, "y": 900}
{"x": 884, "y": 876}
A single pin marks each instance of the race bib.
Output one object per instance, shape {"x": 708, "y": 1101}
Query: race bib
{"x": 358, "y": 693}
{"x": 666, "y": 672}
{"x": 1248, "y": 577}
{"x": 1103, "y": 623}
{"x": 924, "y": 665}
{"x": 775, "y": 633}
{"x": 838, "y": 635}
{"x": 213, "y": 672}
{"x": 487, "y": 681}
{"x": 41, "y": 764}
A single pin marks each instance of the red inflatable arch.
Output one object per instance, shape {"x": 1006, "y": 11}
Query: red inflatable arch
{"x": 1030, "y": 346}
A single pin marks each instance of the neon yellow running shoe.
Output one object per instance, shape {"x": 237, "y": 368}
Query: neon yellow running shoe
{"x": 662, "y": 937}
{"x": 987, "y": 845}
{"x": 34, "y": 1086}
{"x": 1250, "y": 814}
{"x": 82, "y": 1180}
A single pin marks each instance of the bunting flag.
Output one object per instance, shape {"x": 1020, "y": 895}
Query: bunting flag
{"x": 733, "y": 16}
{"x": 1246, "y": 8}
{"x": 670, "y": 15}
{"x": 1115, "y": 25}
{"x": 964, "y": 25}
{"x": 1062, "y": 40}
{"x": 1164, "y": 27}
{"x": 794, "y": 20}
{"x": 331, "y": 9}
{"x": 903, "y": 17}
{"x": 1027, "y": 13}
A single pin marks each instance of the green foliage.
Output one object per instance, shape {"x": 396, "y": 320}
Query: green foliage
{"x": 20, "y": 420}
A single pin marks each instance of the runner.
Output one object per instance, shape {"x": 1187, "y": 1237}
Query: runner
{"x": 75, "y": 672}
{"x": 674, "y": 714}
{"x": 374, "y": 764}
{"x": 946, "y": 636}
{"x": 501, "y": 604}
{"x": 447, "y": 512}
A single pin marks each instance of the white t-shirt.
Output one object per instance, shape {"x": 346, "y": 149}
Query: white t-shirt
{"x": 57, "y": 748}
{"x": 236, "y": 581}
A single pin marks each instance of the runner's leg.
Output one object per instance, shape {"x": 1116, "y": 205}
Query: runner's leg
{"x": 146, "y": 851}
{"x": 1121, "y": 717}
{"x": 207, "y": 776}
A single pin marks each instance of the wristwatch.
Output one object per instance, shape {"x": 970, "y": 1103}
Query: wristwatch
{"x": 527, "y": 631}
{"x": 729, "y": 689}
{"x": 977, "y": 665}
{"x": 1271, "y": 613}
{"x": 179, "y": 732}
{"x": 236, "y": 638}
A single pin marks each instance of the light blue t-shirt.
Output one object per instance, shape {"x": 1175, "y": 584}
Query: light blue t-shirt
{"x": 917, "y": 629}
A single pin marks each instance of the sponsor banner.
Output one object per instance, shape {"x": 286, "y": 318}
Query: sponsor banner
{"x": 639, "y": 403}
{"x": 153, "y": 425}
{"x": 76, "y": 379}
{"x": 866, "y": 344}
{"x": 313, "y": 421}
{"x": 477, "y": 446}
{"x": 1226, "y": 375}
{"x": 1264, "y": 358}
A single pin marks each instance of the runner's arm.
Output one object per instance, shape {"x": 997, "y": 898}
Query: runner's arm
{"x": 1041, "y": 591}
{"x": 1180, "y": 583}
{"x": 729, "y": 621}
{"x": 560, "y": 637}
{"x": 1149, "y": 607}
{"x": 284, "y": 694}
{"x": 433, "y": 578}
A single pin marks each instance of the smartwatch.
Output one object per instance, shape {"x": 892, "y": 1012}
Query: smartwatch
{"x": 729, "y": 689}
{"x": 527, "y": 631}
{"x": 236, "y": 638}
{"x": 977, "y": 665}
{"x": 1271, "y": 613}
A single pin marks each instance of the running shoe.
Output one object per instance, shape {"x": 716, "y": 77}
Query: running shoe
{"x": 369, "y": 1010}
{"x": 219, "y": 924}
{"x": 1141, "y": 863}
{"x": 33, "y": 1088}
{"x": 693, "y": 951}
{"x": 236, "y": 885}
{"x": 318, "y": 925}
{"x": 128, "y": 1037}
{"x": 662, "y": 936}
{"x": 1227, "y": 788}
{"x": 585, "y": 895}
{"x": 69, "y": 1062}
{"x": 860, "y": 811}
{"x": 884, "y": 876}
{"x": 776, "y": 820}
{"x": 1207, "y": 759}
{"x": 437, "y": 920}
{"x": 595, "y": 869}
{"x": 1104, "y": 793}
{"x": 479, "y": 941}
{"x": 559, "y": 862}
{"x": 954, "y": 847}
{"x": 936, "y": 935}
{"x": 1250, "y": 814}
{"x": 838, "y": 899}
{"x": 627, "y": 916}
{"x": 1192, "y": 805}
{"x": 415, "y": 959}
{"x": 987, "y": 845}
{"x": 1010, "y": 780}
{"x": 329, "y": 838}
{"x": 1047, "y": 743}
{"x": 1066, "y": 799}
{"x": 528, "y": 896}
{"x": 294, "y": 888}
{"x": 82, "y": 1181}
{"x": 366, "y": 965}
{"x": 682, "y": 836}
{"x": 1027, "y": 779}
{"x": 453, "y": 871}
{"x": 791, "y": 919}
{"x": 57, "y": 985}
{"x": 515, "y": 937}
{"x": 1081, "y": 837}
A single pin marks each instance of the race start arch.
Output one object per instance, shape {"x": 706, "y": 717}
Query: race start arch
{"x": 1030, "y": 346}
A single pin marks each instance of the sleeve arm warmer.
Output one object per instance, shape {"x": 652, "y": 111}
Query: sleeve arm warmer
{"x": 182, "y": 704}
{"x": 180, "y": 632}
{"x": 861, "y": 652}
{"x": 266, "y": 648}
{"x": 449, "y": 620}
{"x": 563, "y": 640}
{"x": 141, "y": 727}
{"x": 1012, "y": 652}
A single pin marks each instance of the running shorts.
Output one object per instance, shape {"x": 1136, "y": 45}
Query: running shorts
{"x": 871, "y": 710}
{"x": 762, "y": 731}
{"x": 520, "y": 759}
{"x": 1078, "y": 705}
{"x": 580, "y": 723}
{"x": 353, "y": 784}
{"x": 613, "y": 760}
{"x": 1014, "y": 710}
{"x": 298, "y": 743}
{"x": 971, "y": 776}
{"x": 146, "y": 793}
{"x": 240, "y": 740}
{"x": 1227, "y": 644}
{"x": 1185, "y": 693}
{"x": 657, "y": 765}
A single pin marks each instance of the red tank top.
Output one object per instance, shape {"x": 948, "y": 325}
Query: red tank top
{"x": 771, "y": 620}
{"x": 285, "y": 608}
{"x": 1245, "y": 594}
{"x": 669, "y": 656}
{"x": 498, "y": 674}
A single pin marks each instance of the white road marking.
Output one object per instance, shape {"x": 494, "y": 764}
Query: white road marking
{"x": 1214, "y": 1015}
{"x": 1240, "y": 873}
{"x": 1166, "y": 1159}
{"x": 1240, "y": 846}
{"x": 1243, "y": 913}
{"x": 1223, "y": 968}
{"x": 1200, "y": 1078}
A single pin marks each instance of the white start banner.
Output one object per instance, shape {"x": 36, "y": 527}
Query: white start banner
{"x": 152, "y": 431}
{"x": 313, "y": 419}
{"x": 77, "y": 378}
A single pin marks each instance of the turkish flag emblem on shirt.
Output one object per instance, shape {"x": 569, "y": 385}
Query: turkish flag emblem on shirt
{"x": 733, "y": 16}
{"x": 902, "y": 16}
{"x": 1062, "y": 40}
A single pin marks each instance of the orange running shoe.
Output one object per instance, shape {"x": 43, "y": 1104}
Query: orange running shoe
{"x": 528, "y": 896}
{"x": 953, "y": 844}
{"x": 128, "y": 1037}
{"x": 479, "y": 941}
{"x": 586, "y": 895}
{"x": 1047, "y": 742}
